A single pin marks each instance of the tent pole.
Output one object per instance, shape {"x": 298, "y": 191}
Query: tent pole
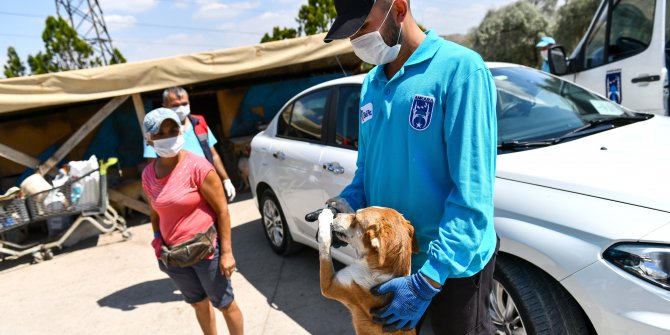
{"x": 18, "y": 156}
{"x": 139, "y": 110}
{"x": 81, "y": 133}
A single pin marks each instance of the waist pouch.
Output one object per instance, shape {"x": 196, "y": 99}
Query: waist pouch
{"x": 192, "y": 251}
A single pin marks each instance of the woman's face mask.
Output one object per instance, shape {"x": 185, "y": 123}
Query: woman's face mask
{"x": 169, "y": 147}
{"x": 372, "y": 49}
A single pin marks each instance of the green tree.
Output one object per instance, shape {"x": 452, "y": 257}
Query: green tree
{"x": 65, "y": 50}
{"x": 117, "y": 58}
{"x": 14, "y": 66}
{"x": 279, "y": 34}
{"x": 547, "y": 7}
{"x": 509, "y": 34}
{"x": 316, "y": 16}
{"x": 572, "y": 21}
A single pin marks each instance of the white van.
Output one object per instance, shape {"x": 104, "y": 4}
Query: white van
{"x": 632, "y": 69}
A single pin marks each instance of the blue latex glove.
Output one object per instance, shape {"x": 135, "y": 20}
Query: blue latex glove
{"x": 411, "y": 297}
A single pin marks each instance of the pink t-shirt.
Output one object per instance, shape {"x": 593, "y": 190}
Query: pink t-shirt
{"x": 182, "y": 210}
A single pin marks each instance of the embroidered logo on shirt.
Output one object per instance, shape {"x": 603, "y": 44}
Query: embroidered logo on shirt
{"x": 421, "y": 112}
{"x": 366, "y": 112}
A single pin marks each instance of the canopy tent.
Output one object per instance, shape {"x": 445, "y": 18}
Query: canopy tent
{"x": 288, "y": 56}
{"x": 72, "y": 93}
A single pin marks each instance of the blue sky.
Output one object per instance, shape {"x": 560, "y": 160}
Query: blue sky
{"x": 200, "y": 25}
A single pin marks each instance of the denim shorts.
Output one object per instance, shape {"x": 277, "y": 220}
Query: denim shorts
{"x": 202, "y": 280}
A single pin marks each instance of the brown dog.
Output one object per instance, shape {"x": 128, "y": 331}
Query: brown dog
{"x": 383, "y": 241}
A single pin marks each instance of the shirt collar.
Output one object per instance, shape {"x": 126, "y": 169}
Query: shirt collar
{"x": 425, "y": 51}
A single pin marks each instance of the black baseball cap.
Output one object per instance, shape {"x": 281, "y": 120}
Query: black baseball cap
{"x": 351, "y": 15}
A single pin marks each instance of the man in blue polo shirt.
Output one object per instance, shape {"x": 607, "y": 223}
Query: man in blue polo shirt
{"x": 427, "y": 148}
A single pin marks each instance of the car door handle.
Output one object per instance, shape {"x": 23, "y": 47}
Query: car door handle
{"x": 279, "y": 155}
{"x": 335, "y": 168}
{"x": 646, "y": 79}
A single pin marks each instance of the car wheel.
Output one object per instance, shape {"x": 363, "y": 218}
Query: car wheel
{"x": 525, "y": 300}
{"x": 275, "y": 227}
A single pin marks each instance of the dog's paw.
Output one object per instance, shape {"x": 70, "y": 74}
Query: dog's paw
{"x": 325, "y": 224}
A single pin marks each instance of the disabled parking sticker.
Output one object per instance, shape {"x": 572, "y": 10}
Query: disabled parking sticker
{"x": 613, "y": 86}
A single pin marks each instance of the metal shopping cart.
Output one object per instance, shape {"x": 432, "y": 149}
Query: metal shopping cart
{"x": 85, "y": 197}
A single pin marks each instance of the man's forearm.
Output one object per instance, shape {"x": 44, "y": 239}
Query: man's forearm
{"x": 218, "y": 165}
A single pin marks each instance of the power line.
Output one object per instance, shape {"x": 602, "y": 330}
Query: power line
{"x": 154, "y": 25}
{"x": 167, "y": 43}
{"x": 195, "y": 2}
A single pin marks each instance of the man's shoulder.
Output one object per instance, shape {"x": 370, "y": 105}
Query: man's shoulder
{"x": 457, "y": 56}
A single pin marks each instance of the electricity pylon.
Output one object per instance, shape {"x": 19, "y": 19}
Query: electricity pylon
{"x": 85, "y": 16}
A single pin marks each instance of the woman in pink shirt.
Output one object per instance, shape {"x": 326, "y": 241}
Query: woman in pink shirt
{"x": 187, "y": 198}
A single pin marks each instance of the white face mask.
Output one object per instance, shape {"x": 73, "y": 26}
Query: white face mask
{"x": 182, "y": 111}
{"x": 372, "y": 49}
{"x": 169, "y": 147}
{"x": 545, "y": 54}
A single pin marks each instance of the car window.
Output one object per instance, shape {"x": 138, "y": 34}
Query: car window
{"x": 305, "y": 117}
{"x": 346, "y": 123}
{"x": 284, "y": 120}
{"x": 535, "y": 106}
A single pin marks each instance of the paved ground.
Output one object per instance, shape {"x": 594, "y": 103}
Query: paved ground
{"x": 107, "y": 286}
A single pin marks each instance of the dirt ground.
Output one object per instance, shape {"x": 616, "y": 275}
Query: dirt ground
{"x": 107, "y": 286}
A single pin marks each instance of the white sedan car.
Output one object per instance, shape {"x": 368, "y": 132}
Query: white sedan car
{"x": 582, "y": 199}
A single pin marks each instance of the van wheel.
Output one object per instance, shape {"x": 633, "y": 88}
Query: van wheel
{"x": 525, "y": 300}
{"x": 275, "y": 227}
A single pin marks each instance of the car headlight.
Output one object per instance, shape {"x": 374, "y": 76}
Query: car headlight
{"x": 650, "y": 262}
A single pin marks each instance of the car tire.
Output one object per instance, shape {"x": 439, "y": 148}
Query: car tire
{"x": 526, "y": 300}
{"x": 274, "y": 225}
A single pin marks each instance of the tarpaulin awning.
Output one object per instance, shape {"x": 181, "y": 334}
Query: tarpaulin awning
{"x": 53, "y": 89}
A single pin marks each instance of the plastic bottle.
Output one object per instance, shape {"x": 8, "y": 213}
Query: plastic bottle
{"x": 76, "y": 193}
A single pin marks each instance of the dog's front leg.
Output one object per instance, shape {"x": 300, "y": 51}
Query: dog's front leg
{"x": 327, "y": 271}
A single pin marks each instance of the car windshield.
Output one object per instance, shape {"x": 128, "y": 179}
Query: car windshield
{"x": 534, "y": 106}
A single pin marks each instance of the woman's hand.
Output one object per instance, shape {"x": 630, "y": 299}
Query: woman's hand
{"x": 156, "y": 243}
{"x": 227, "y": 264}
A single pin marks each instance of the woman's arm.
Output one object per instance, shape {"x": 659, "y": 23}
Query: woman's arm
{"x": 157, "y": 241}
{"x": 155, "y": 220}
{"x": 212, "y": 190}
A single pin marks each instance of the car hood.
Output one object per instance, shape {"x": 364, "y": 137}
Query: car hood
{"x": 629, "y": 164}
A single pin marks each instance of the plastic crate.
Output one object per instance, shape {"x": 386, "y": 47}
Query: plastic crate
{"x": 13, "y": 213}
{"x": 75, "y": 196}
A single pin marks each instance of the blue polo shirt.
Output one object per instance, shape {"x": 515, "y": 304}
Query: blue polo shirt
{"x": 427, "y": 148}
{"x": 191, "y": 143}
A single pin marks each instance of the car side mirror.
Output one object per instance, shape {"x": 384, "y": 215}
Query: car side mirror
{"x": 558, "y": 65}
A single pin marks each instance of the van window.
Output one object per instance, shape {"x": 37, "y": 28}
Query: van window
{"x": 667, "y": 32}
{"x": 595, "y": 46}
{"x": 631, "y": 29}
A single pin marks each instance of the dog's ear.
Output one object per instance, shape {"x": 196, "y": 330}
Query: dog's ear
{"x": 412, "y": 236}
{"x": 373, "y": 232}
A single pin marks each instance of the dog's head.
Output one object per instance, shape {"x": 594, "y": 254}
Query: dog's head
{"x": 382, "y": 235}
